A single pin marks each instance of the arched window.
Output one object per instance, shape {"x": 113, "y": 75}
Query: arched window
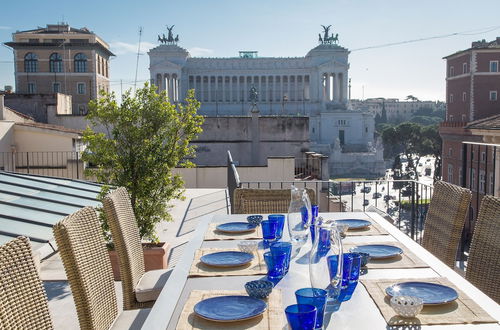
{"x": 30, "y": 62}
{"x": 55, "y": 62}
{"x": 80, "y": 62}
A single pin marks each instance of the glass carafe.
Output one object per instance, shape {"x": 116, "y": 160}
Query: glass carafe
{"x": 299, "y": 216}
{"x": 325, "y": 259}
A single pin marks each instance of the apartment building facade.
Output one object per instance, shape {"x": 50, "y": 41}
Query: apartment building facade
{"x": 472, "y": 87}
{"x": 61, "y": 59}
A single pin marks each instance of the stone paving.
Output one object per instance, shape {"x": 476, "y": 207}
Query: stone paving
{"x": 186, "y": 214}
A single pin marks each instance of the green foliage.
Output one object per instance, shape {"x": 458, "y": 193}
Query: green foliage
{"x": 426, "y": 120}
{"x": 432, "y": 145}
{"x": 136, "y": 144}
{"x": 413, "y": 140}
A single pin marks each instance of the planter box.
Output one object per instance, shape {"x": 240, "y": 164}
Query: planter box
{"x": 155, "y": 257}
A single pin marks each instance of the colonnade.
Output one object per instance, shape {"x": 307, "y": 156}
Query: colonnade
{"x": 271, "y": 88}
{"x": 170, "y": 84}
{"x": 236, "y": 88}
{"x": 333, "y": 86}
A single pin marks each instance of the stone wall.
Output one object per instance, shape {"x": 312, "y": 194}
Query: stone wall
{"x": 251, "y": 140}
{"x": 276, "y": 169}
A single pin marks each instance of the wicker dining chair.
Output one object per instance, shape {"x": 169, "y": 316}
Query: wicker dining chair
{"x": 483, "y": 265}
{"x": 88, "y": 268}
{"x": 23, "y": 302}
{"x": 140, "y": 288}
{"x": 250, "y": 201}
{"x": 445, "y": 221}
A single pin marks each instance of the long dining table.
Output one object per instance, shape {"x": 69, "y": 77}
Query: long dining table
{"x": 360, "y": 312}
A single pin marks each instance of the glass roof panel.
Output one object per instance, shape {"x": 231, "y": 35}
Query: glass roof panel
{"x": 48, "y": 186}
{"x": 26, "y": 228}
{"x": 28, "y": 214}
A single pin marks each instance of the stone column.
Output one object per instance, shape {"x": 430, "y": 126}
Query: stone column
{"x": 172, "y": 88}
{"x": 202, "y": 89}
{"x": 259, "y": 89}
{"x": 209, "y": 99}
{"x": 245, "y": 89}
{"x": 223, "y": 89}
{"x": 341, "y": 87}
{"x": 338, "y": 88}
{"x": 238, "y": 89}
{"x": 327, "y": 93}
{"x": 288, "y": 83}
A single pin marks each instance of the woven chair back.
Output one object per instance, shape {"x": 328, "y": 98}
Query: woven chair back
{"x": 88, "y": 268}
{"x": 483, "y": 266}
{"x": 23, "y": 303}
{"x": 445, "y": 221}
{"x": 127, "y": 242}
{"x": 251, "y": 201}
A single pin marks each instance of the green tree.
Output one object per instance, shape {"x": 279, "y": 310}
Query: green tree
{"x": 383, "y": 117}
{"x": 136, "y": 144}
{"x": 404, "y": 138}
{"x": 432, "y": 145}
{"x": 411, "y": 98}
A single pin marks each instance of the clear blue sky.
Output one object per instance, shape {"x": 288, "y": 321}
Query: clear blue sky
{"x": 220, "y": 28}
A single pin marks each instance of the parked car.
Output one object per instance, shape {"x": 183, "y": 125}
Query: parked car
{"x": 366, "y": 189}
{"x": 388, "y": 197}
{"x": 377, "y": 195}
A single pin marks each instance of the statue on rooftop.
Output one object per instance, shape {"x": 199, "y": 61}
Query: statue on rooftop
{"x": 328, "y": 39}
{"x": 254, "y": 95}
{"x": 326, "y": 29}
{"x": 170, "y": 40}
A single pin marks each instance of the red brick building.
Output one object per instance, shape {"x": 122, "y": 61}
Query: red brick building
{"x": 472, "y": 95}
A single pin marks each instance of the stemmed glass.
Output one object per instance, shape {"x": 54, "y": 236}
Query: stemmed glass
{"x": 326, "y": 259}
{"x": 299, "y": 216}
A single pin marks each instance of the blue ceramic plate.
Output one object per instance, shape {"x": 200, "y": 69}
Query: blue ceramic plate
{"x": 235, "y": 227}
{"x": 226, "y": 259}
{"x": 378, "y": 251}
{"x": 355, "y": 223}
{"x": 230, "y": 308}
{"x": 430, "y": 293}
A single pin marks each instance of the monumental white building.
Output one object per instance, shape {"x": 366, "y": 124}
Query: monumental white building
{"x": 315, "y": 85}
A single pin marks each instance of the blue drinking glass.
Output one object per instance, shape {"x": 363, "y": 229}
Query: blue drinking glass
{"x": 269, "y": 229}
{"x": 275, "y": 265}
{"x": 280, "y": 219}
{"x": 301, "y": 317}
{"x": 350, "y": 275}
{"x": 315, "y": 297}
{"x": 278, "y": 247}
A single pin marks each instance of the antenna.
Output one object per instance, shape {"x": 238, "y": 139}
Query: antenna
{"x": 138, "y": 53}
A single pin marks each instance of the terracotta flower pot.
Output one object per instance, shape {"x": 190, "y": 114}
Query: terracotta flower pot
{"x": 155, "y": 257}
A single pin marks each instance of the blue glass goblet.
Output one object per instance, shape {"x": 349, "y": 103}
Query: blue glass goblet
{"x": 280, "y": 219}
{"x": 301, "y": 317}
{"x": 275, "y": 265}
{"x": 269, "y": 231}
{"x": 315, "y": 297}
{"x": 278, "y": 247}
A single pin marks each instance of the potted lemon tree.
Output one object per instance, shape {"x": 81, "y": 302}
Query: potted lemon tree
{"x": 135, "y": 144}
